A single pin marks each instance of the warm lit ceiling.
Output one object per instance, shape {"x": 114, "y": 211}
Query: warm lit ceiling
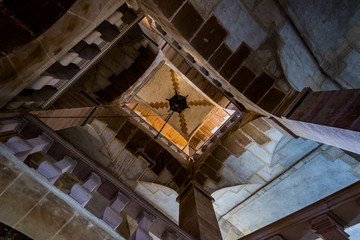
{"x": 163, "y": 85}
{"x": 194, "y": 125}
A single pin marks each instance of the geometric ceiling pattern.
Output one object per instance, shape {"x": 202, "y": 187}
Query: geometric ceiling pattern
{"x": 162, "y": 86}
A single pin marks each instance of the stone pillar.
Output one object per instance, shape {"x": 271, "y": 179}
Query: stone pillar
{"x": 328, "y": 229}
{"x": 330, "y": 117}
{"x": 197, "y": 215}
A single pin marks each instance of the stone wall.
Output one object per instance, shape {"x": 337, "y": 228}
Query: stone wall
{"x": 258, "y": 53}
{"x": 126, "y": 151}
{"x": 40, "y": 210}
{"x": 331, "y": 31}
{"x": 313, "y": 176}
{"x": 23, "y": 65}
{"x": 134, "y": 158}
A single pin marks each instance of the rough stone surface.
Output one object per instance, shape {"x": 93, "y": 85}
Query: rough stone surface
{"x": 187, "y": 20}
{"x": 209, "y": 37}
{"x": 241, "y": 26}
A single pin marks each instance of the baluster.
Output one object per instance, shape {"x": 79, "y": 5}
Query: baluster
{"x": 111, "y": 214}
{"x": 144, "y": 221}
{"x": 82, "y": 193}
{"x": 24, "y": 147}
{"x": 11, "y": 125}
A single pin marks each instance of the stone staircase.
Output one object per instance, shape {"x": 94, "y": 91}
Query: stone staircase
{"x": 195, "y": 77}
{"x": 243, "y": 157}
{"x": 130, "y": 67}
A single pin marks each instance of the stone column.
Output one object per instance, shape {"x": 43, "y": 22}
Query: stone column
{"x": 197, "y": 215}
{"x": 328, "y": 229}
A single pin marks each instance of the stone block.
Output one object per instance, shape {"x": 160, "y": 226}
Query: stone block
{"x": 261, "y": 153}
{"x": 205, "y": 8}
{"x": 213, "y": 163}
{"x": 66, "y": 181}
{"x": 107, "y": 136}
{"x": 112, "y": 64}
{"x": 107, "y": 30}
{"x": 15, "y": 34}
{"x": 191, "y": 74}
{"x": 241, "y": 138}
{"x": 208, "y": 171}
{"x": 220, "y": 153}
{"x": 233, "y": 146}
{"x": 85, "y": 50}
{"x": 187, "y": 20}
{"x": 259, "y": 87}
{"x": 54, "y": 39}
{"x": 52, "y": 210}
{"x": 168, "y": 7}
{"x": 241, "y": 25}
{"x": 269, "y": 173}
{"x": 63, "y": 72}
{"x": 231, "y": 176}
{"x": 81, "y": 228}
{"x": 255, "y": 134}
{"x": 97, "y": 204}
{"x": 242, "y": 79}
{"x": 135, "y": 169}
{"x": 126, "y": 131}
{"x": 30, "y": 60}
{"x": 293, "y": 151}
{"x": 209, "y": 37}
{"x": 173, "y": 166}
{"x": 9, "y": 171}
{"x": 114, "y": 148}
{"x": 234, "y": 61}
{"x": 115, "y": 124}
{"x": 184, "y": 67}
{"x": 261, "y": 124}
{"x": 269, "y": 13}
{"x": 152, "y": 150}
{"x": 200, "y": 178}
{"x": 180, "y": 177}
{"x": 22, "y": 196}
{"x": 148, "y": 176}
{"x": 128, "y": 16}
{"x": 37, "y": 16}
{"x": 164, "y": 177}
{"x": 244, "y": 166}
{"x": 161, "y": 161}
{"x": 122, "y": 162}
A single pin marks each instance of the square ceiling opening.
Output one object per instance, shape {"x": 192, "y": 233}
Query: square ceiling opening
{"x": 188, "y": 130}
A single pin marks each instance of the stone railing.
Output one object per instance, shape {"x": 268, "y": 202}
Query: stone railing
{"x": 72, "y": 65}
{"x": 59, "y": 163}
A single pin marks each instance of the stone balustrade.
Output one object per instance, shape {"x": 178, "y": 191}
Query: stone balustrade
{"x": 78, "y": 59}
{"x": 90, "y": 186}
